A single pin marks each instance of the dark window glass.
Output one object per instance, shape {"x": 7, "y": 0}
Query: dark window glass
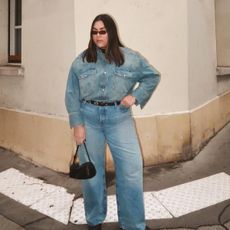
{"x": 18, "y": 12}
{"x": 18, "y": 42}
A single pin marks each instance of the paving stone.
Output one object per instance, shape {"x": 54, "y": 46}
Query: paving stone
{"x": 7, "y": 224}
{"x": 180, "y": 228}
{"x": 17, "y": 212}
{"x": 227, "y": 224}
{"x": 212, "y": 227}
{"x": 50, "y": 224}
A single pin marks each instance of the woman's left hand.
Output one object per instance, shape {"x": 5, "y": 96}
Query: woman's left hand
{"x": 128, "y": 101}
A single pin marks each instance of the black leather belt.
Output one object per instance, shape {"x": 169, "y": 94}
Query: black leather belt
{"x": 102, "y": 103}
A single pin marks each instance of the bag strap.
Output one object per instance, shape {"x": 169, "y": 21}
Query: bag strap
{"x": 75, "y": 155}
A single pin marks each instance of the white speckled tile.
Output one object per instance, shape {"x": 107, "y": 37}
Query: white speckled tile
{"x": 153, "y": 209}
{"x": 57, "y": 205}
{"x": 195, "y": 195}
{"x": 56, "y": 202}
{"x": 51, "y": 200}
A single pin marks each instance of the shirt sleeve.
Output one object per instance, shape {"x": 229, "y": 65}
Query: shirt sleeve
{"x": 72, "y": 99}
{"x": 148, "y": 81}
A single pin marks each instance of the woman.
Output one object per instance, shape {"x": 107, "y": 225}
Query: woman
{"x": 99, "y": 95}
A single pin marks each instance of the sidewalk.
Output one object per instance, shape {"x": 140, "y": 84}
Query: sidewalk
{"x": 213, "y": 159}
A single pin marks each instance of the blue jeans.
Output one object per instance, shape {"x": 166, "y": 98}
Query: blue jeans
{"x": 113, "y": 125}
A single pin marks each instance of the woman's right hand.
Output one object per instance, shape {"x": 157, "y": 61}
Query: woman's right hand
{"x": 79, "y": 134}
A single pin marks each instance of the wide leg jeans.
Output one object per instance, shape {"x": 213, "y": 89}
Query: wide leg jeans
{"x": 113, "y": 125}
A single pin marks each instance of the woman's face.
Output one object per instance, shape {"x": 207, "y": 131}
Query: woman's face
{"x": 100, "y": 35}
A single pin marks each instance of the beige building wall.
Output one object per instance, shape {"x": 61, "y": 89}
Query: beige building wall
{"x": 223, "y": 32}
{"x": 48, "y": 48}
{"x": 177, "y": 37}
{"x": 32, "y": 115}
{"x": 158, "y": 30}
{"x": 202, "y": 62}
{"x": 3, "y": 31}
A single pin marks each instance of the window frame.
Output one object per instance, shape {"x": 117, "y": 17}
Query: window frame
{"x": 14, "y": 56}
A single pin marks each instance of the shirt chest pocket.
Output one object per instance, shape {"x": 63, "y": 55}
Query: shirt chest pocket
{"x": 87, "y": 82}
{"x": 87, "y": 73}
{"x": 124, "y": 74}
{"x": 124, "y": 79}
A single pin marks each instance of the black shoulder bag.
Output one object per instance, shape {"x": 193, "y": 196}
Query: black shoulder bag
{"x": 84, "y": 171}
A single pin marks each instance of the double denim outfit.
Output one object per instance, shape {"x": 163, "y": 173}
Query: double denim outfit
{"x": 114, "y": 125}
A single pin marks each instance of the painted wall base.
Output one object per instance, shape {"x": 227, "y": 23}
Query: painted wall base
{"x": 164, "y": 138}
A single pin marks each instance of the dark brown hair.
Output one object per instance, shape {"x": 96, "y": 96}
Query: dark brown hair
{"x": 112, "y": 52}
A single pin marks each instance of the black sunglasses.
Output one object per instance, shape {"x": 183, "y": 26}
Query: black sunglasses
{"x": 101, "y": 32}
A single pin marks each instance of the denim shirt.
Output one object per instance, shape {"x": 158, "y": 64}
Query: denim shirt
{"x": 102, "y": 81}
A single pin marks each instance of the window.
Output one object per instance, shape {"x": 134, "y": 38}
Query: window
{"x": 15, "y": 31}
{"x": 223, "y": 33}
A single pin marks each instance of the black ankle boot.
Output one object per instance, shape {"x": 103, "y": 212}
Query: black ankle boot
{"x": 95, "y": 227}
{"x": 146, "y": 228}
